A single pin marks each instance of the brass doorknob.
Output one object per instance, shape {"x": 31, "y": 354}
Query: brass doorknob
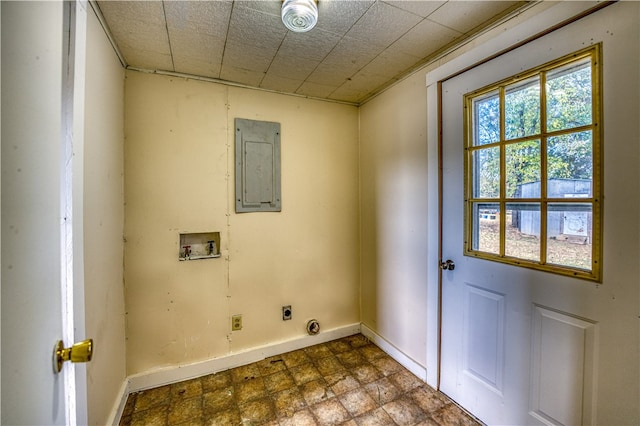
{"x": 79, "y": 352}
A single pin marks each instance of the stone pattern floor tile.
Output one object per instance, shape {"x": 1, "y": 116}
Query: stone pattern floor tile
{"x": 346, "y": 382}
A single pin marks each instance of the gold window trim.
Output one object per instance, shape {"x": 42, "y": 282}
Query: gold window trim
{"x": 594, "y": 54}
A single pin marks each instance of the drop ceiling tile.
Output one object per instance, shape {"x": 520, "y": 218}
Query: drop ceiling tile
{"x": 197, "y": 46}
{"x": 315, "y": 90}
{"x": 242, "y": 76}
{"x": 383, "y": 23}
{"x": 247, "y": 56}
{"x": 255, "y": 28}
{"x": 314, "y": 44}
{"x": 391, "y": 63}
{"x": 329, "y": 76}
{"x": 280, "y": 84}
{"x": 290, "y": 66}
{"x": 463, "y": 16}
{"x": 140, "y": 32}
{"x": 420, "y": 8}
{"x": 271, "y": 7}
{"x": 199, "y": 17}
{"x": 197, "y": 52}
{"x": 148, "y": 60}
{"x": 149, "y": 12}
{"x": 338, "y": 16}
{"x": 349, "y": 56}
{"x": 347, "y": 94}
{"x": 425, "y": 39}
{"x": 364, "y": 81}
{"x": 149, "y": 52}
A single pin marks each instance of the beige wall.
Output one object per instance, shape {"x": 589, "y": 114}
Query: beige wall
{"x": 103, "y": 222}
{"x": 393, "y": 183}
{"x": 397, "y": 208}
{"x": 393, "y": 179}
{"x": 179, "y": 177}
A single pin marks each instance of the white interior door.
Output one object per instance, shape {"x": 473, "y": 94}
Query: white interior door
{"x": 37, "y": 230}
{"x": 521, "y": 346}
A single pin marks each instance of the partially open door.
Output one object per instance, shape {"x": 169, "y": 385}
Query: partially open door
{"x": 37, "y": 214}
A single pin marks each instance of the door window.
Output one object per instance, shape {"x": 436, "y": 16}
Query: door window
{"x": 532, "y": 163}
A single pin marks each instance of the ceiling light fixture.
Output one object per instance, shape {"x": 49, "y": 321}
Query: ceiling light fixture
{"x": 299, "y": 16}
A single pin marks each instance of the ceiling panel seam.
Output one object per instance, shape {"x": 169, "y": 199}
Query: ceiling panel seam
{"x": 378, "y": 55}
{"x": 166, "y": 27}
{"x": 273, "y": 60}
{"x": 342, "y": 37}
{"x": 226, "y": 38}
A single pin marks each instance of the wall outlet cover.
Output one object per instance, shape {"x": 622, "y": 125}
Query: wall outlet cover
{"x": 287, "y": 314}
{"x": 236, "y": 323}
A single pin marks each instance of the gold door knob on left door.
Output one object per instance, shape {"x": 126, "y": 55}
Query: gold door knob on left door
{"x": 79, "y": 352}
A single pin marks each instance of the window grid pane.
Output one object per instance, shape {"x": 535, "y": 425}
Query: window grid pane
{"x": 522, "y": 168}
{"x": 543, "y": 142}
{"x": 522, "y": 109}
{"x": 569, "y": 232}
{"x": 486, "y": 179}
{"x": 569, "y": 96}
{"x": 486, "y": 119}
{"x": 570, "y": 159}
{"x": 522, "y": 239}
{"x": 486, "y": 227}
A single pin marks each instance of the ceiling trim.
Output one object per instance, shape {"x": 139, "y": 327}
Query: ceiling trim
{"x": 233, "y": 84}
{"x": 107, "y": 31}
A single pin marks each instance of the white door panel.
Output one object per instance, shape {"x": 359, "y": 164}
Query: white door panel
{"x": 527, "y": 347}
{"x": 31, "y": 153}
{"x": 483, "y": 336}
{"x": 34, "y": 121}
{"x": 562, "y": 370}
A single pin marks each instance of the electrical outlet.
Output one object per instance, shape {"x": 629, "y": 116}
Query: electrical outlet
{"x": 236, "y": 322}
{"x": 287, "y": 314}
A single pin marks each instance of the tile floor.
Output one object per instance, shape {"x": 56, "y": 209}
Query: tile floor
{"x": 349, "y": 381}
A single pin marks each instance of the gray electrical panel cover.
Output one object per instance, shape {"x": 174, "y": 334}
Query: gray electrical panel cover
{"x": 257, "y": 166}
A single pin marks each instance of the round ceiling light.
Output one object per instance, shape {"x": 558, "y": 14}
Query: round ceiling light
{"x": 299, "y": 15}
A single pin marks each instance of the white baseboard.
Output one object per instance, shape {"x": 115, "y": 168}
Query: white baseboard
{"x": 168, "y": 375}
{"x": 118, "y": 406}
{"x": 174, "y": 374}
{"x": 410, "y": 364}
{"x": 164, "y": 376}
